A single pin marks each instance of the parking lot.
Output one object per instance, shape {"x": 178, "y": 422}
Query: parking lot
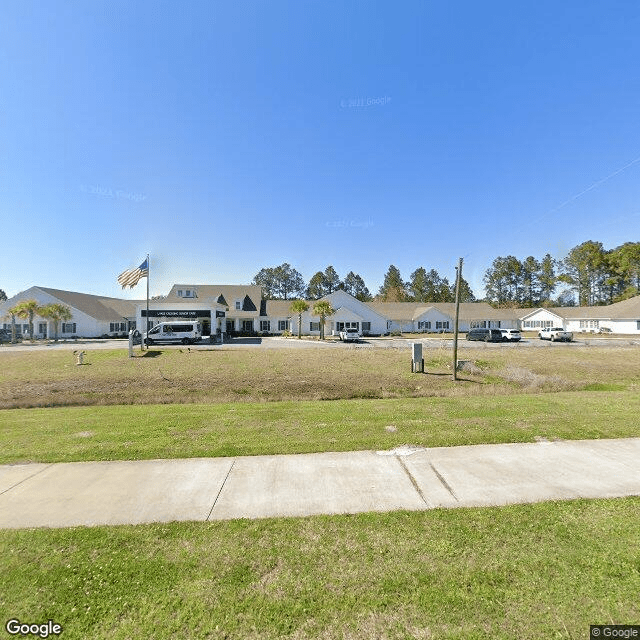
{"x": 330, "y": 343}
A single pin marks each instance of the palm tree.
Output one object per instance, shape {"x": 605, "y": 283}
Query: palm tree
{"x": 299, "y": 307}
{"x": 323, "y": 309}
{"x": 11, "y": 316}
{"x": 26, "y": 309}
{"x": 56, "y": 312}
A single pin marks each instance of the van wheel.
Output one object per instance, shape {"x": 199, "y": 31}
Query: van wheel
{"x": 185, "y": 340}
{"x": 148, "y": 341}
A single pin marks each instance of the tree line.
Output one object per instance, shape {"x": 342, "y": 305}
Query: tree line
{"x": 589, "y": 275}
{"x": 284, "y": 283}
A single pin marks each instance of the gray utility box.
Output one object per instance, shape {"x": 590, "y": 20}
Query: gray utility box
{"x": 417, "y": 361}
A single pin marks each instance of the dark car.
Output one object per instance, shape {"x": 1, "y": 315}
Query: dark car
{"x": 487, "y": 335}
{"x": 5, "y": 336}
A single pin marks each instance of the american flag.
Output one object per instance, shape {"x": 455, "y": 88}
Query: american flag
{"x": 131, "y": 277}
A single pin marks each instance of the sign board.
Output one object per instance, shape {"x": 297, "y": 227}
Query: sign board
{"x": 182, "y": 313}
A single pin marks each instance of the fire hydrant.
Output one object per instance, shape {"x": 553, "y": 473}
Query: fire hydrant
{"x": 80, "y": 357}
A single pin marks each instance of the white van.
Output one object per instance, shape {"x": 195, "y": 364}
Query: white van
{"x": 185, "y": 332}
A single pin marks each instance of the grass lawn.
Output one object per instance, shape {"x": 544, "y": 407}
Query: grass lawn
{"x": 228, "y": 429}
{"x": 536, "y": 571}
{"x": 50, "y": 379}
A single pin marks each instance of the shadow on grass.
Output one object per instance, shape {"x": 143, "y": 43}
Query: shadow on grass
{"x": 448, "y": 375}
{"x": 151, "y": 354}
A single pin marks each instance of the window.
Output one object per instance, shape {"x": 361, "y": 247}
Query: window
{"x": 117, "y": 326}
{"x": 283, "y": 325}
{"x": 444, "y": 324}
{"x": 68, "y": 327}
{"x": 42, "y": 327}
{"x": 238, "y": 305}
{"x": 179, "y": 293}
{"x": 638, "y": 325}
{"x": 341, "y": 326}
{"x": 265, "y": 325}
{"x": 424, "y": 325}
{"x": 366, "y": 326}
{"x": 247, "y": 325}
{"x": 314, "y": 326}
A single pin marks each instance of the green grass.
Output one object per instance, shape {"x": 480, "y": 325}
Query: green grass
{"x": 230, "y": 429}
{"x": 169, "y": 376}
{"x": 546, "y": 570}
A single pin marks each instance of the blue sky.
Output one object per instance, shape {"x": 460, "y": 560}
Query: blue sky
{"x": 224, "y": 137}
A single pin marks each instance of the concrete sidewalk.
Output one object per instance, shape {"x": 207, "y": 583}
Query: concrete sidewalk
{"x": 97, "y": 493}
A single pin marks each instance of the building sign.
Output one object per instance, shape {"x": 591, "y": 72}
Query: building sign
{"x": 182, "y": 313}
{"x": 219, "y": 314}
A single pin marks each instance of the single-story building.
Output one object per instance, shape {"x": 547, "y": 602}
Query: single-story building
{"x": 92, "y": 316}
{"x": 621, "y": 317}
{"x": 238, "y": 309}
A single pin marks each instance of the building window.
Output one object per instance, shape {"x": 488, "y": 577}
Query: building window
{"x": 117, "y": 326}
{"x": 444, "y": 324}
{"x": 424, "y": 325}
{"x": 283, "y": 325}
{"x": 238, "y": 305}
{"x": 68, "y": 327}
{"x": 314, "y": 326}
{"x": 42, "y": 327}
{"x": 247, "y": 325}
{"x": 366, "y": 326}
{"x": 265, "y": 325}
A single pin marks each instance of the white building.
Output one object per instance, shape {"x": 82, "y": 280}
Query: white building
{"x": 620, "y": 317}
{"x": 92, "y": 316}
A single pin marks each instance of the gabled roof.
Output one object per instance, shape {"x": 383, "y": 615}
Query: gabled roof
{"x": 279, "y": 309}
{"x": 409, "y": 311}
{"x": 626, "y": 309}
{"x": 226, "y": 294}
{"x": 98, "y": 307}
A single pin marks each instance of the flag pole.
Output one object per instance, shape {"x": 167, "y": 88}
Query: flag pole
{"x": 148, "y": 271}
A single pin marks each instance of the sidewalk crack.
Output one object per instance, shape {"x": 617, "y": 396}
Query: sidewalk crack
{"x": 33, "y": 475}
{"x": 415, "y": 484}
{"x": 221, "y": 488}
{"x": 444, "y": 482}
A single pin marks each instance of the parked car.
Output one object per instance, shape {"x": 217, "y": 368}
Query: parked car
{"x": 555, "y": 334}
{"x": 5, "y": 336}
{"x": 488, "y": 335}
{"x": 511, "y": 335}
{"x": 350, "y": 335}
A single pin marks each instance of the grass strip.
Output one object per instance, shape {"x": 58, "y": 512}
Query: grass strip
{"x": 133, "y": 432}
{"x": 546, "y": 570}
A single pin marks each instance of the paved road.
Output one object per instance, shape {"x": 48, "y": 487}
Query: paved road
{"x": 105, "y": 493}
{"x": 294, "y": 343}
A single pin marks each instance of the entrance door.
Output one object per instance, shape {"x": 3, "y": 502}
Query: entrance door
{"x": 229, "y": 327}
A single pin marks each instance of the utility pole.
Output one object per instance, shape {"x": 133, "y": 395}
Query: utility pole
{"x": 455, "y": 328}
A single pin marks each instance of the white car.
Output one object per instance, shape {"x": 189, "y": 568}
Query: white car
{"x": 511, "y": 335}
{"x": 350, "y": 335}
{"x": 555, "y": 334}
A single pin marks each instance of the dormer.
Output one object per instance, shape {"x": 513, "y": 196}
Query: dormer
{"x": 186, "y": 293}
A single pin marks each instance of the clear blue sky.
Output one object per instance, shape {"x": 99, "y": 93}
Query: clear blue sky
{"x": 222, "y": 137}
